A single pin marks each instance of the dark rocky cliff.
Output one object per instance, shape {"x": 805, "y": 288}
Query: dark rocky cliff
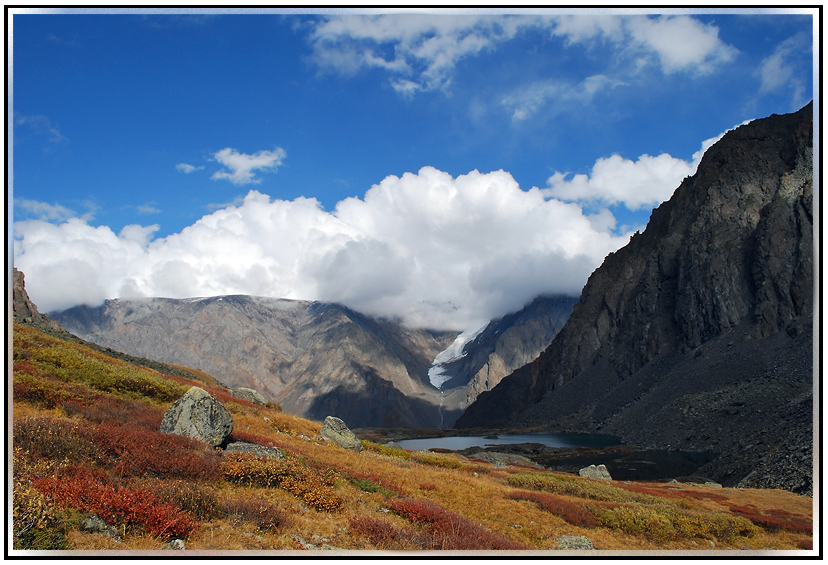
{"x": 697, "y": 335}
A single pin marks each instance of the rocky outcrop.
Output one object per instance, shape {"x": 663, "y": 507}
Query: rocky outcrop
{"x": 199, "y": 415}
{"x": 249, "y": 395}
{"x": 697, "y": 335}
{"x": 335, "y": 430}
{"x": 24, "y": 310}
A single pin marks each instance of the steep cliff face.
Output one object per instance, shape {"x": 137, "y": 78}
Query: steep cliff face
{"x": 23, "y": 309}
{"x": 698, "y": 333}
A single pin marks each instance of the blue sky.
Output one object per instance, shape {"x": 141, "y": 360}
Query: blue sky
{"x": 438, "y": 167}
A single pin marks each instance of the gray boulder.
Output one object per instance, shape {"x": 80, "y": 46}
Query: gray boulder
{"x": 94, "y": 525}
{"x": 593, "y": 472}
{"x": 258, "y": 450}
{"x": 249, "y": 395}
{"x": 335, "y": 430}
{"x": 198, "y": 415}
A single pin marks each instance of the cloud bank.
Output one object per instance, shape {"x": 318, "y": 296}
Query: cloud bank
{"x": 427, "y": 248}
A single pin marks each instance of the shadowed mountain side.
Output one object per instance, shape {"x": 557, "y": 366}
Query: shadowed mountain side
{"x": 698, "y": 333}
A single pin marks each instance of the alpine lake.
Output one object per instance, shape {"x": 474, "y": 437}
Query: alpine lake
{"x": 566, "y": 452}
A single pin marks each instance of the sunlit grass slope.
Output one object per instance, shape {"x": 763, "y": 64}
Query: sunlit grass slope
{"x": 86, "y": 440}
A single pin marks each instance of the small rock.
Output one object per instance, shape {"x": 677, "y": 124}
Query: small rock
{"x": 94, "y": 525}
{"x": 595, "y": 472}
{"x": 575, "y": 542}
{"x": 249, "y": 395}
{"x": 176, "y": 544}
{"x": 335, "y": 430}
{"x": 258, "y": 450}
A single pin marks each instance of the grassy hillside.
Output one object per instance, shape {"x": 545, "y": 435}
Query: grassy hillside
{"x": 86, "y": 440}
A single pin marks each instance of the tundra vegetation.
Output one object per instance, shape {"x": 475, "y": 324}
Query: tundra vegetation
{"x": 86, "y": 441}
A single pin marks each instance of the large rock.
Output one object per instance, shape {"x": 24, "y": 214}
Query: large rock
{"x": 198, "y": 415}
{"x": 249, "y": 395}
{"x": 595, "y": 472}
{"x": 257, "y": 450}
{"x": 335, "y": 430}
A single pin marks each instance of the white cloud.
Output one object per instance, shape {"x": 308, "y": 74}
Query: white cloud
{"x": 682, "y": 43}
{"x": 780, "y": 71}
{"x": 420, "y": 52}
{"x": 187, "y": 168}
{"x": 43, "y": 210}
{"x": 147, "y": 209}
{"x": 242, "y": 165}
{"x": 425, "y": 247}
{"x": 647, "y": 181}
{"x": 527, "y": 100}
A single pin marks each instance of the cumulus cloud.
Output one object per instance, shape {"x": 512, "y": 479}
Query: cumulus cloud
{"x": 647, "y": 181}
{"x": 242, "y": 165}
{"x": 682, "y": 43}
{"x": 427, "y": 248}
{"x": 187, "y": 168}
{"x": 41, "y": 125}
{"x": 420, "y": 52}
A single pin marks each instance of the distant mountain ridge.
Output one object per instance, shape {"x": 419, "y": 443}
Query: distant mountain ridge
{"x": 319, "y": 359}
{"x": 697, "y": 335}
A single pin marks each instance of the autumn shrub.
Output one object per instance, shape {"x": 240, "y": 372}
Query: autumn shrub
{"x": 237, "y": 435}
{"x": 384, "y": 535}
{"x": 200, "y": 500}
{"x": 55, "y": 439}
{"x": 367, "y": 485}
{"x": 570, "y": 511}
{"x": 265, "y": 515}
{"x": 110, "y": 410}
{"x": 428, "y": 486}
{"x": 447, "y": 530}
{"x": 140, "y": 452}
{"x": 132, "y": 509}
{"x": 385, "y": 450}
{"x": 33, "y": 518}
{"x": 290, "y": 474}
{"x": 773, "y": 520}
{"x": 445, "y": 460}
{"x": 574, "y": 486}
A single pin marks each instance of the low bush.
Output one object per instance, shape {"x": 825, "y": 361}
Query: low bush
{"x": 140, "y": 452}
{"x": 445, "y": 460}
{"x": 290, "y": 474}
{"x": 572, "y": 512}
{"x": 447, "y": 530}
{"x": 573, "y": 486}
{"x": 265, "y": 515}
{"x": 128, "y": 508}
{"x": 385, "y": 450}
{"x": 773, "y": 520}
{"x": 367, "y": 485}
{"x": 384, "y": 535}
{"x": 55, "y": 439}
{"x": 110, "y": 410}
{"x": 198, "y": 499}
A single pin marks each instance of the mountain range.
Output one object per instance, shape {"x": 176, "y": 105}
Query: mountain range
{"x": 318, "y": 359}
{"x": 697, "y": 335}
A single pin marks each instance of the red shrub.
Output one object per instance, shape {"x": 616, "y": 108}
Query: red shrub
{"x": 265, "y": 515}
{"x": 107, "y": 409}
{"x": 570, "y": 511}
{"x": 428, "y": 486}
{"x": 773, "y": 520}
{"x": 805, "y": 544}
{"x": 382, "y": 534}
{"x": 671, "y": 493}
{"x": 447, "y": 530}
{"x": 139, "y": 452}
{"x": 55, "y": 439}
{"x": 130, "y": 508}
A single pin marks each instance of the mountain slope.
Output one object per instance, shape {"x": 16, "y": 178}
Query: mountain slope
{"x": 697, "y": 335}
{"x": 320, "y": 359}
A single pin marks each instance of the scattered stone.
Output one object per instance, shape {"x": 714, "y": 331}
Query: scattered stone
{"x": 176, "y": 544}
{"x": 335, "y": 430}
{"x": 258, "y": 450}
{"x": 94, "y": 525}
{"x": 575, "y": 542}
{"x": 595, "y": 472}
{"x": 712, "y": 484}
{"x": 249, "y": 395}
{"x": 198, "y": 415}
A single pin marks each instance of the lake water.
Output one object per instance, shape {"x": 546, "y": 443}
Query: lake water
{"x": 595, "y": 441}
